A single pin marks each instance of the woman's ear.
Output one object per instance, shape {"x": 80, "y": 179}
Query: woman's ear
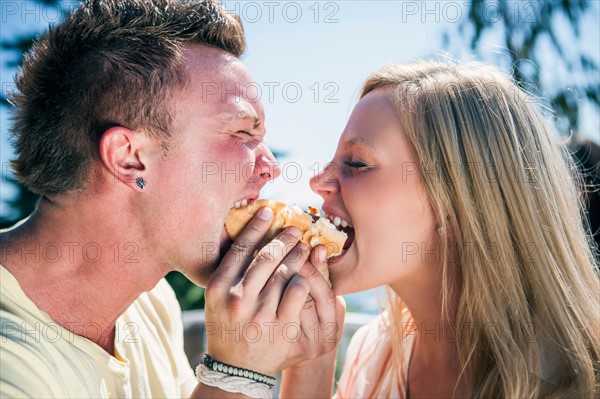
{"x": 445, "y": 228}
{"x": 122, "y": 151}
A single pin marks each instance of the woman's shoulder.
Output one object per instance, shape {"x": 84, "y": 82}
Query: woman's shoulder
{"x": 368, "y": 360}
{"x": 375, "y": 330}
{"x": 378, "y": 330}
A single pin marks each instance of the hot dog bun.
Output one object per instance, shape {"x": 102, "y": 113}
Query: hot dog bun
{"x": 321, "y": 232}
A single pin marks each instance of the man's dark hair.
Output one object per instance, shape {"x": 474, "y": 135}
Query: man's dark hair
{"x": 111, "y": 63}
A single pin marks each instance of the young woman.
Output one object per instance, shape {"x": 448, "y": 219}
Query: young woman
{"x": 466, "y": 208}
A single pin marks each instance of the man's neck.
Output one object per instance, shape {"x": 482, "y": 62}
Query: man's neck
{"x": 81, "y": 268}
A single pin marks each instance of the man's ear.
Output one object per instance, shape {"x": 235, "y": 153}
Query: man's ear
{"x": 123, "y": 153}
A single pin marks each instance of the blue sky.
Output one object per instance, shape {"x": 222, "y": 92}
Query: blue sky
{"x": 309, "y": 58}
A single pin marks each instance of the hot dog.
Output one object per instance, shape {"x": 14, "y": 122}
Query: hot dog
{"x": 315, "y": 230}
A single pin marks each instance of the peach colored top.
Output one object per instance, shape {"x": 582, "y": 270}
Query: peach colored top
{"x": 368, "y": 369}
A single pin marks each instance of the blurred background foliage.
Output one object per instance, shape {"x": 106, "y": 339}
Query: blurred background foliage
{"x": 531, "y": 35}
{"x": 527, "y": 47}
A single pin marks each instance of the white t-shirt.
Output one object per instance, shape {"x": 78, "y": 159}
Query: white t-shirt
{"x": 40, "y": 358}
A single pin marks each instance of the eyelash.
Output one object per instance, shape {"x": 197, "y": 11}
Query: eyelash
{"x": 356, "y": 166}
{"x": 248, "y": 139}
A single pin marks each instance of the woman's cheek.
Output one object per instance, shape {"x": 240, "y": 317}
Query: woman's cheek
{"x": 354, "y": 191}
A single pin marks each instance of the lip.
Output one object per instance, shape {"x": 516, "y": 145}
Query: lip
{"x": 336, "y": 259}
{"x": 251, "y": 197}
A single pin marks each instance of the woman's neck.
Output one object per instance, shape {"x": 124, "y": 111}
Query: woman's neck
{"x": 434, "y": 367}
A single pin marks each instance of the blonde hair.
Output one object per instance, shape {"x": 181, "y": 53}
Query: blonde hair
{"x": 527, "y": 280}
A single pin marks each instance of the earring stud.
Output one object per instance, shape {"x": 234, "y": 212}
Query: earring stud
{"x": 140, "y": 182}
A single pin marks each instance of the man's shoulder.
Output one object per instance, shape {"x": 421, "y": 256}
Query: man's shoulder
{"x": 37, "y": 360}
{"x": 38, "y": 356}
{"x": 153, "y": 324}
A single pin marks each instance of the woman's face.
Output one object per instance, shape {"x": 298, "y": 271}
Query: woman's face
{"x": 373, "y": 183}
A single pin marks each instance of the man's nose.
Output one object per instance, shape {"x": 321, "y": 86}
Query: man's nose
{"x": 326, "y": 182}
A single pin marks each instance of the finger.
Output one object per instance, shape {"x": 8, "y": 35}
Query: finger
{"x": 309, "y": 320}
{"x": 340, "y": 315}
{"x": 333, "y": 331}
{"x": 293, "y": 299}
{"x": 268, "y": 259}
{"x": 318, "y": 258}
{"x": 272, "y": 293}
{"x": 321, "y": 292}
{"x": 240, "y": 254}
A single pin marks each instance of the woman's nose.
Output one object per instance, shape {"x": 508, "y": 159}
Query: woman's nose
{"x": 326, "y": 182}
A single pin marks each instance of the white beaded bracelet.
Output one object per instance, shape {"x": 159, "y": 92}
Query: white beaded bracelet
{"x": 231, "y": 383}
{"x": 215, "y": 365}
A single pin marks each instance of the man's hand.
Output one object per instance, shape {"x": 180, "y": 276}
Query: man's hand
{"x": 259, "y": 314}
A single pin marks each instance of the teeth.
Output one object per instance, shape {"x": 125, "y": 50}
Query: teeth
{"x": 336, "y": 220}
{"x": 243, "y": 203}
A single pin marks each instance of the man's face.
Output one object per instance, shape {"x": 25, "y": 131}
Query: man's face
{"x": 217, "y": 156}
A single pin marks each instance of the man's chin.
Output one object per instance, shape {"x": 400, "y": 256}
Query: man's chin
{"x": 209, "y": 261}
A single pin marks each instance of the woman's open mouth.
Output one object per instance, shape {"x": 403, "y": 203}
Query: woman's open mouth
{"x": 341, "y": 225}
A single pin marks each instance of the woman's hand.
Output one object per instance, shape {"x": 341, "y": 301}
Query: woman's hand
{"x": 314, "y": 378}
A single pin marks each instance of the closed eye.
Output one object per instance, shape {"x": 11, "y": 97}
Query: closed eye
{"x": 356, "y": 164}
{"x": 248, "y": 139}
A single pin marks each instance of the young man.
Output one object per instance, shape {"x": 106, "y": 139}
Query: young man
{"x": 137, "y": 124}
